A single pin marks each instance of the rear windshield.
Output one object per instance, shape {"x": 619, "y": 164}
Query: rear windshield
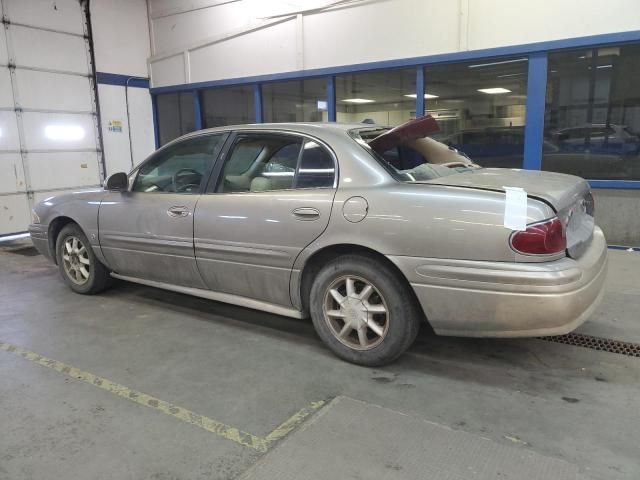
{"x": 419, "y": 160}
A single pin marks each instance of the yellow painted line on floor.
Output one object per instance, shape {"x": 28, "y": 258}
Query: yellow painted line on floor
{"x": 289, "y": 425}
{"x": 206, "y": 423}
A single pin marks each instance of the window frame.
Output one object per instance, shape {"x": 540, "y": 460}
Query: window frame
{"x": 217, "y": 174}
{"x": 192, "y": 136}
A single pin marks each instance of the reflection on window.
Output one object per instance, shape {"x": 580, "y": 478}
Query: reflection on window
{"x": 592, "y": 115}
{"x": 480, "y": 107}
{"x": 228, "y": 106}
{"x": 316, "y": 167}
{"x": 261, "y": 163}
{"x": 296, "y": 101}
{"x": 175, "y": 115}
{"x": 179, "y": 168}
{"x": 383, "y": 98}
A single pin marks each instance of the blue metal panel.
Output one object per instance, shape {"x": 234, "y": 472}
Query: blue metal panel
{"x": 628, "y": 184}
{"x": 419, "y": 92}
{"x": 534, "y": 120}
{"x": 484, "y": 54}
{"x": 197, "y": 110}
{"x": 104, "y": 78}
{"x": 331, "y": 98}
{"x": 257, "y": 102}
{"x": 156, "y": 131}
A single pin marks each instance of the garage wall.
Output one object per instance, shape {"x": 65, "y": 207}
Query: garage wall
{"x": 50, "y": 139}
{"x": 121, "y": 48}
{"x": 49, "y": 135}
{"x": 204, "y": 40}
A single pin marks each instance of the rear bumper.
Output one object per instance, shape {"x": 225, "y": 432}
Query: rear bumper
{"x": 499, "y": 299}
{"x": 40, "y": 238}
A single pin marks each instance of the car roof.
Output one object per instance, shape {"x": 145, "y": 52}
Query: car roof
{"x": 302, "y": 127}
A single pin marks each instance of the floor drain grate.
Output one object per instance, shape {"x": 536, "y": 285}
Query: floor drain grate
{"x": 597, "y": 343}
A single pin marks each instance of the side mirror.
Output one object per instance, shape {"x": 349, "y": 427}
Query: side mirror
{"x": 118, "y": 181}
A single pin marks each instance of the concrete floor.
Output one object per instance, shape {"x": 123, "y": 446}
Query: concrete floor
{"x": 253, "y": 370}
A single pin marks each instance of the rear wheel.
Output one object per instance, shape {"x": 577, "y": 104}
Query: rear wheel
{"x": 363, "y": 310}
{"x": 78, "y": 265}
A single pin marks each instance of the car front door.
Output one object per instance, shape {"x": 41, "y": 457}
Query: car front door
{"x": 147, "y": 232}
{"x": 272, "y": 198}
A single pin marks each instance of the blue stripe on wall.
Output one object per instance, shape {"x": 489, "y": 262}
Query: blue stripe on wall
{"x": 104, "y": 78}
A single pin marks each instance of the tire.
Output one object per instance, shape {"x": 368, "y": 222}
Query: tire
{"x": 73, "y": 251}
{"x": 342, "y": 306}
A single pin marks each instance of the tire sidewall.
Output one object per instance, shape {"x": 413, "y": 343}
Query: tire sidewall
{"x": 403, "y": 318}
{"x": 75, "y": 231}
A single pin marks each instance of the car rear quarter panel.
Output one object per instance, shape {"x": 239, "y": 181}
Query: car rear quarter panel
{"x": 428, "y": 221}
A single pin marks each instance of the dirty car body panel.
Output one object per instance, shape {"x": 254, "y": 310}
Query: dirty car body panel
{"x": 447, "y": 235}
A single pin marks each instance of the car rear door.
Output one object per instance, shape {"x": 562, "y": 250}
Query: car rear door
{"x": 147, "y": 232}
{"x": 271, "y": 198}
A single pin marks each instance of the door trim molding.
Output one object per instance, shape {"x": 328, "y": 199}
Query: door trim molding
{"x": 218, "y": 297}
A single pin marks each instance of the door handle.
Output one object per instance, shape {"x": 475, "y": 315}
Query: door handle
{"x": 178, "y": 211}
{"x": 306, "y": 213}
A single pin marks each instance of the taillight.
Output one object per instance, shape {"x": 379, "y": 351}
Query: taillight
{"x": 540, "y": 238}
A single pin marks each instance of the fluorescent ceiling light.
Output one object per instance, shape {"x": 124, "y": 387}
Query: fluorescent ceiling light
{"x": 426, "y": 95}
{"x": 64, "y": 132}
{"x": 604, "y": 66}
{"x": 358, "y": 100}
{"x": 494, "y": 91}
{"x": 480, "y": 65}
{"x": 322, "y": 105}
{"x": 510, "y": 75}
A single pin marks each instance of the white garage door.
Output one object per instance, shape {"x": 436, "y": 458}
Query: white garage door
{"x": 49, "y": 137}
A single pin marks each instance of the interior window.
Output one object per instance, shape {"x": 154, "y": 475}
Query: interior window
{"x": 316, "y": 167}
{"x": 270, "y": 165}
{"x": 179, "y": 168}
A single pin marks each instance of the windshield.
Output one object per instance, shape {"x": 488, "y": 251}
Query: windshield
{"x": 415, "y": 160}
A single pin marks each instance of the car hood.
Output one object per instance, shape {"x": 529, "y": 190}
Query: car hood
{"x": 557, "y": 189}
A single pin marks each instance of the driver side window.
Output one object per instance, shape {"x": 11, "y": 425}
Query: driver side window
{"x": 179, "y": 168}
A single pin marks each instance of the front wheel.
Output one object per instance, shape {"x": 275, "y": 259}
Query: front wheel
{"x": 364, "y": 310}
{"x": 78, "y": 265}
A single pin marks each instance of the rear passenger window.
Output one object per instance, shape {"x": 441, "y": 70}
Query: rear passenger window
{"x": 316, "y": 167}
{"x": 268, "y": 162}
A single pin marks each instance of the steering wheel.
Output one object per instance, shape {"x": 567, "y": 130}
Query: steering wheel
{"x": 183, "y": 171}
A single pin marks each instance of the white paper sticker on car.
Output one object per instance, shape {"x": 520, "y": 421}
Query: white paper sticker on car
{"x": 515, "y": 208}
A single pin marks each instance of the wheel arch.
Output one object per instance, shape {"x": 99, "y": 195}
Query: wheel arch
{"x": 55, "y": 226}
{"x": 324, "y": 255}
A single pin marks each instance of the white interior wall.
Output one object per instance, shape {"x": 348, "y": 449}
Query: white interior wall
{"x": 116, "y": 143}
{"x": 205, "y": 40}
{"x": 121, "y": 46}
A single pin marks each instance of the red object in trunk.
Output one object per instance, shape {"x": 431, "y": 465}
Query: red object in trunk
{"x": 411, "y": 130}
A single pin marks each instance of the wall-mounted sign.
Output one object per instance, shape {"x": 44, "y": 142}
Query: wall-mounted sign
{"x": 115, "y": 126}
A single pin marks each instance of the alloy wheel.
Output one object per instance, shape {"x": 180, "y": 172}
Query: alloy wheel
{"x": 76, "y": 262}
{"x": 356, "y": 312}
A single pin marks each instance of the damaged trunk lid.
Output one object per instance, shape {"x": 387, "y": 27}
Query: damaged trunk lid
{"x": 569, "y": 196}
